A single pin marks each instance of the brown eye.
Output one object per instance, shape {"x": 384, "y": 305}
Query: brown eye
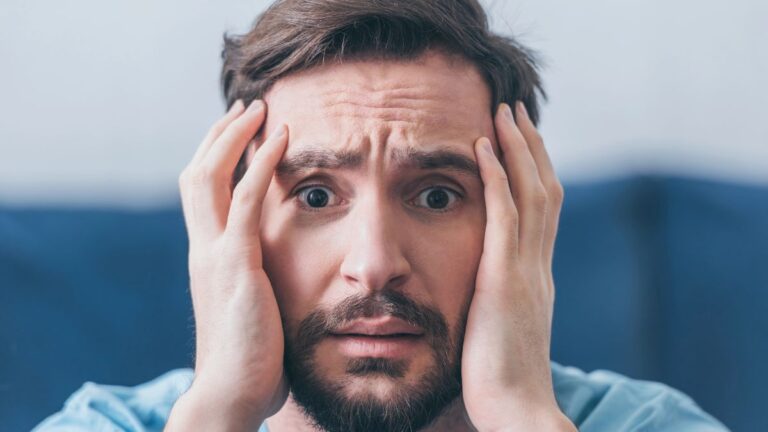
{"x": 438, "y": 199}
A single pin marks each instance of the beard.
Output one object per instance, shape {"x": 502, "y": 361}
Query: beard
{"x": 411, "y": 406}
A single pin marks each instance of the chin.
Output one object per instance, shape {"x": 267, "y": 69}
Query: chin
{"x": 376, "y": 386}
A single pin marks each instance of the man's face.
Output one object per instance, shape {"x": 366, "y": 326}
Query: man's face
{"x": 389, "y": 238}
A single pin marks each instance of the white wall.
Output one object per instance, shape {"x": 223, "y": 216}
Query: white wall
{"x": 106, "y": 101}
{"x": 664, "y": 85}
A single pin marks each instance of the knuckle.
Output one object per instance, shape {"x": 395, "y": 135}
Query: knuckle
{"x": 243, "y": 196}
{"x": 500, "y": 178}
{"x": 215, "y": 133}
{"x": 519, "y": 143}
{"x": 509, "y": 215}
{"x": 188, "y": 181}
{"x": 197, "y": 177}
{"x": 183, "y": 178}
{"x": 556, "y": 192}
{"x": 206, "y": 173}
{"x": 219, "y": 126}
{"x": 538, "y": 197}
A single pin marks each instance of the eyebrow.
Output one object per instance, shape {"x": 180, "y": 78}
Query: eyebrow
{"x": 408, "y": 158}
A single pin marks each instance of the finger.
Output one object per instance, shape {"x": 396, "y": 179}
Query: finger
{"x": 528, "y": 191}
{"x": 248, "y": 195}
{"x": 501, "y": 229}
{"x": 200, "y": 219}
{"x": 549, "y": 179}
{"x": 235, "y": 110}
{"x": 230, "y": 145}
{"x": 212, "y": 176}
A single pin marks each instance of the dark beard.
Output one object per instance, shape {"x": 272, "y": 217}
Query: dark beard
{"x": 412, "y": 407}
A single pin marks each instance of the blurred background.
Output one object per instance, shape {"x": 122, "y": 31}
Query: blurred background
{"x": 655, "y": 124}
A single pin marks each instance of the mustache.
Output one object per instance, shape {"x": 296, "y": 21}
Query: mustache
{"x": 325, "y": 400}
{"x": 322, "y": 323}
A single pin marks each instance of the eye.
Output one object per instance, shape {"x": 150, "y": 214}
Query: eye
{"x": 438, "y": 198}
{"x": 313, "y": 197}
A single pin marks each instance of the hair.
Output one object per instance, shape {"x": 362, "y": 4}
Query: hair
{"x": 295, "y": 35}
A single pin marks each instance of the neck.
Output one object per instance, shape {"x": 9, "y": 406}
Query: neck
{"x": 291, "y": 418}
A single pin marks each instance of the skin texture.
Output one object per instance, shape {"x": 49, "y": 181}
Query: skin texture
{"x": 370, "y": 237}
{"x": 257, "y": 256}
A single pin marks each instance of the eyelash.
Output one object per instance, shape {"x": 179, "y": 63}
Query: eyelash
{"x": 305, "y": 207}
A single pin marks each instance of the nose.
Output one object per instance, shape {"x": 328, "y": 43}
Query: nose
{"x": 374, "y": 258}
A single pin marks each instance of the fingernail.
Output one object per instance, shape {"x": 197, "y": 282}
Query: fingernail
{"x": 508, "y": 112}
{"x": 255, "y": 105}
{"x": 522, "y": 109}
{"x": 486, "y": 144}
{"x": 237, "y": 106}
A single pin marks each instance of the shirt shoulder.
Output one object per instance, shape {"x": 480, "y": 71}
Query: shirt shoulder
{"x": 603, "y": 400}
{"x": 595, "y": 401}
{"x": 100, "y": 407}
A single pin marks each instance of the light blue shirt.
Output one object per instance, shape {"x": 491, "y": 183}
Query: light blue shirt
{"x": 599, "y": 401}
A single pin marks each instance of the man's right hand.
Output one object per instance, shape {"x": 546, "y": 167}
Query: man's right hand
{"x": 239, "y": 379}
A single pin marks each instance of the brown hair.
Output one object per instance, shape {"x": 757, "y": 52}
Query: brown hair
{"x": 294, "y": 35}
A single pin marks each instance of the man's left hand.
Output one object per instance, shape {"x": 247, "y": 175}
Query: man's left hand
{"x": 506, "y": 374}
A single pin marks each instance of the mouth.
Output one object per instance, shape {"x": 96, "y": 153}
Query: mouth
{"x": 379, "y": 326}
{"x": 380, "y": 346}
{"x": 383, "y": 337}
{"x": 379, "y": 336}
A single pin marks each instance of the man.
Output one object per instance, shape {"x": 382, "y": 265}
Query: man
{"x": 371, "y": 242}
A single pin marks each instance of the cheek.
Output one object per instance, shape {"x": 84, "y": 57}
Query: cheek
{"x": 294, "y": 264}
{"x": 302, "y": 259}
{"x": 448, "y": 262}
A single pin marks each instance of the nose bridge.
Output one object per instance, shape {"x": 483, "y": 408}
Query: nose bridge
{"x": 374, "y": 256}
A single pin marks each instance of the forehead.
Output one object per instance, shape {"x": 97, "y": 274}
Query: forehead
{"x": 370, "y": 105}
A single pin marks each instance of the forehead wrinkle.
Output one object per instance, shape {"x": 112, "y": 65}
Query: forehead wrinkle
{"x": 383, "y": 97}
{"x": 422, "y": 121}
{"x": 420, "y": 105}
{"x": 446, "y": 86}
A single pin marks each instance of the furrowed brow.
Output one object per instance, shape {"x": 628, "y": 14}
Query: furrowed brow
{"x": 409, "y": 158}
{"x": 307, "y": 159}
{"x": 441, "y": 158}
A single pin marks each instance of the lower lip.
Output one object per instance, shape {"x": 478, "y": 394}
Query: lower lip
{"x": 381, "y": 347}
